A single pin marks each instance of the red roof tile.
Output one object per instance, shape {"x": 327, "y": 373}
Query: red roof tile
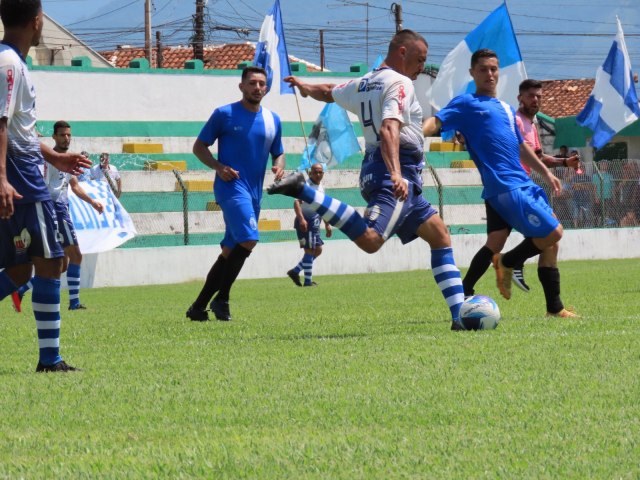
{"x": 565, "y": 98}
{"x": 220, "y": 57}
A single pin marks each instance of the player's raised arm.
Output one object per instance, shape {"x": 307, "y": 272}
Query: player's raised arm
{"x": 317, "y": 91}
{"x": 73, "y": 163}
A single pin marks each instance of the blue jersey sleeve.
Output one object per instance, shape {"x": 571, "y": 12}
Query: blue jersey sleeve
{"x": 451, "y": 116}
{"x": 213, "y": 128}
{"x": 276, "y": 147}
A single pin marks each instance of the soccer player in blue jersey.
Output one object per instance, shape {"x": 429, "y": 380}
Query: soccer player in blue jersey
{"x": 496, "y": 146}
{"x": 307, "y": 225}
{"x": 29, "y": 236}
{"x": 390, "y": 178}
{"x": 246, "y": 134}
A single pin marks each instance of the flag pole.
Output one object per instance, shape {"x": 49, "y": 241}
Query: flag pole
{"x": 304, "y": 134}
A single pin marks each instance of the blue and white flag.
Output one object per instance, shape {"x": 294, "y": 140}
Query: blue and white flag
{"x": 332, "y": 139}
{"x": 613, "y": 103}
{"x": 496, "y": 33}
{"x": 100, "y": 233}
{"x": 271, "y": 52}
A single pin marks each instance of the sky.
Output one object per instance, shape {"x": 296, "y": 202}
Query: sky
{"x": 558, "y": 39}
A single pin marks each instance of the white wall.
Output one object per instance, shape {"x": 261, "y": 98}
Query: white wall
{"x": 124, "y": 267}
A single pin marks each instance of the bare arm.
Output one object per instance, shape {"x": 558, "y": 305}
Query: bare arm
{"x": 528, "y": 156}
{"x": 317, "y": 91}
{"x": 390, "y": 150}
{"x": 7, "y": 192}
{"x": 201, "y": 150}
{"x": 553, "y": 162}
{"x": 82, "y": 195}
{"x": 73, "y": 163}
{"x": 431, "y": 126}
{"x": 278, "y": 166}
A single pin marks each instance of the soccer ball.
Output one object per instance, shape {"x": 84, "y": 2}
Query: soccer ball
{"x": 479, "y": 313}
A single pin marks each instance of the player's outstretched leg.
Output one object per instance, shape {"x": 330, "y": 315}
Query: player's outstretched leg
{"x": 334, "y": 212}
{"x": 479, "y": 265}
{"x": 46, "y": 309}
{"x": 447, "y": 276}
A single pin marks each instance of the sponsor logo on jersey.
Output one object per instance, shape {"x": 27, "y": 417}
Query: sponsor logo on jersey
{"x": 534, "y": 220}
{"x": 366, "y": 85}
{"x": 401, "y": 97}
{"x": 22, "y": 242}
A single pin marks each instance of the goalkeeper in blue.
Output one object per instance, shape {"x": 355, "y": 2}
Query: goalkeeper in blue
{"x": 390, "y": 179}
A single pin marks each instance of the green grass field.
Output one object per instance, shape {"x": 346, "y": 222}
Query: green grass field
{"x": 358, "y": 378}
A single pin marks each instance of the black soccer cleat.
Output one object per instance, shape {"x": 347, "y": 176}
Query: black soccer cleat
{"x": 220, "y": 308}
{"x": 291, "y": 185}
{"x": 312, "y": 284}
{"x": 77, "y": 307}
{"x": 58, "y": 367}
{"x": 197, "y": 315}
{"x": 456, "y": 326}
{"x": 518, "y": 280}
{"x": 295, "y": 277}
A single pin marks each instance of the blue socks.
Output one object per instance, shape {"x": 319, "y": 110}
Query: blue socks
{"x": 448, "y": 278}
{"x": 307, "y": 266}
{"x": 73, "y": 281}
{"x": 335, "y": 212}
{"x": 46, "y": 308}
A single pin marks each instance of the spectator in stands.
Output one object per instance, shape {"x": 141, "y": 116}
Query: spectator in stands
{"x": 246, "y": 134}
{"x": 390, "y": 177}
{"x": 497, "y": 146}
{"x": 627, "y": 191}
{"x": 307, "y": 225}
{"x": 109, "y": 173}
{"x": 564, "y": 152}
{"x": 604, "y": 183}
{"x": 584, "y": 197}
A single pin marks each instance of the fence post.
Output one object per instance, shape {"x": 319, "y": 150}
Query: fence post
{"x": 185, "y": 205}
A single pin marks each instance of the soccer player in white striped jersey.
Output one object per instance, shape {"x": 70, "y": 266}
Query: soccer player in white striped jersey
{"x": 28, "y": 227}
{"x": 390, "y": 179}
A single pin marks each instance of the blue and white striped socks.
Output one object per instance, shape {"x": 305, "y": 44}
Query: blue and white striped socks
{"x": 448, "y": 278}
{"x": 46, "y": 308}
{"x": 307, "y": 266}
{"x": 73, "y": 281}
{"x": 335, "y": 212}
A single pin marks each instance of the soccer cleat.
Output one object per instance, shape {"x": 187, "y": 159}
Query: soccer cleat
{"x": 17, "y": 301}
{"x": 295, "y": 277}
{"x": 503, "y": 276}
{"x": 564, "y": 313}
{"x": 221, "y": 309}
{"x": 77, "y": 307}
{"x": 312, "y": 284}
{"x": 197, "y": 315}
{"x": 58, "y": 367}
{"x": 456, "y": 326}
{"x": 518, "y": 280}
{"x": 291, "y": 185}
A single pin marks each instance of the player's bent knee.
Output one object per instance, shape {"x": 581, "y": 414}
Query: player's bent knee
{"x": 370, "y": 241}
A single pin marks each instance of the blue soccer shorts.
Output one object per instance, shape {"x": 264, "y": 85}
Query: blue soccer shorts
{"x": 240, "y": 213}
{"x": 65, "y": 225}
{"x": 32, "y": 231}
{"x": 311, "y": 238}
{"x": 527, "y": 210}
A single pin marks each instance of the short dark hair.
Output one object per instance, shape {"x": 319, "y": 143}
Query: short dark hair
{"x": 529, "y": 83}
{"x": 59, "y": 124}
{"x": 18, "y": 13}
{"x": 403, "y": 37}
{"x": 482, "y": 53}
{"x": 252, "y": 69}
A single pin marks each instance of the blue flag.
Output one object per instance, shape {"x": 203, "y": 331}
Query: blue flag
{"x": 332, "y": 139}
{"x": 613, "y": 103}
{"x": 496, "y": 33}
{"x": 271, "y": 51}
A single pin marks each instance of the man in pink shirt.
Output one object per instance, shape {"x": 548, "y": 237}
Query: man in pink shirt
{"x": 530, "y": 98}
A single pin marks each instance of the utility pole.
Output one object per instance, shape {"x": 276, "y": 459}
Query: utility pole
{"x": 159, "y": 50}
{"x": 147, "y": 30}
{"x": 322, "y": 50}
{"x": 396, "y": 9}
{"x": 198, "y": 36}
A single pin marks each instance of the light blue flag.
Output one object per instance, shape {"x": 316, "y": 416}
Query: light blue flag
{"x": 379, "y": 61}
{"x": 332, "y": 139}
{"x": 496, "y": 33}
{"x": 613, "y": 103}
{"x": 271, "y": 51}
